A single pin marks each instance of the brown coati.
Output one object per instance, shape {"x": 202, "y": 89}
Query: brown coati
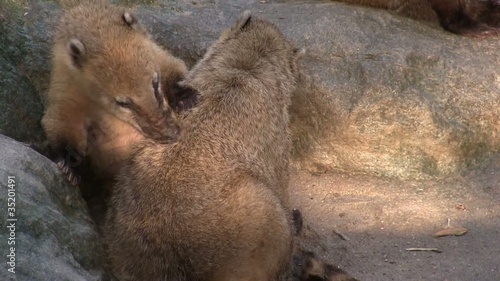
{"x": 475, "y": 18}
{"x": 107, "y": 88}
{"x": 307, "y": 266}
{"x": 214, "y": 205}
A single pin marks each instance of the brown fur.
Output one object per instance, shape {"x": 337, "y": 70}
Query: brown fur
{"x": 101, "y": 99}
{"x": 307, "y": 266}
{"x": 214, "y": 205}
{"x": 475, "y": 18}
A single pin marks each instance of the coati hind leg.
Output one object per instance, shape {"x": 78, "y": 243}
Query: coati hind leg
{"x": 307, "y": 267}
{"x": 264, "y": 238}
{"x": 310, "y": 268}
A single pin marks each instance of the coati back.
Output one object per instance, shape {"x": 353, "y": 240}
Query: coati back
{"x": 475, "y": 18}
{"x": 214, "y": 205}
{"x": 108, "y": 79}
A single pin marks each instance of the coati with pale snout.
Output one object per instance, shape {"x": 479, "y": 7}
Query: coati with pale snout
{"x": 107, "y": 90}
{"x": 214, "y": 205}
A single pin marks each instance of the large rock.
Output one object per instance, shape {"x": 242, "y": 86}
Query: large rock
{"x": 23, "y": 62}
{"x": 387, "y": 95}
{"x": 47, "y": 235}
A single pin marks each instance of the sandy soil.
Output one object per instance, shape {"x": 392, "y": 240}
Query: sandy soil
{"x": 378, "y": 219}
{"x": 381, "y": 218}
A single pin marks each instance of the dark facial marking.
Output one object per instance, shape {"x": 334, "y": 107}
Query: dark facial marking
{"x": 182, "y": 98}
{"x": 126, "y": 103}
{"x": 157, "y": 90}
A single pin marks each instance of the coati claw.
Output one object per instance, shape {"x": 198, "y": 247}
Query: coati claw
{"x": 71, "y": 176}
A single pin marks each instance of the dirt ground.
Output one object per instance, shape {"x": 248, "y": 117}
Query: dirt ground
{"x": 380, "y": 218}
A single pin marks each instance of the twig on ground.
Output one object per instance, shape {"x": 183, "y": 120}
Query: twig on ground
{"x": 424, "y": 249}
{"x": 342, "y": 236}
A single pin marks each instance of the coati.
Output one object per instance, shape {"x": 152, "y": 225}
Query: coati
{"x": 475, "y": 18}
{"x": 214, "y": 205}
{"x": 107, "y": 90}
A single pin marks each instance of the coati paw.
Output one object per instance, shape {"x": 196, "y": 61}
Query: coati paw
{"x": 307, "y": 267}
{"x": 181, "y": 98}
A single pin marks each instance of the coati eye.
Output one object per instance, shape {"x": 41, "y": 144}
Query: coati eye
{"x": 156, "y": 88}
{"x": 124, "y": 102}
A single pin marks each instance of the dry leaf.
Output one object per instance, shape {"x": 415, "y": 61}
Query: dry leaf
{"x": 455, "y": 231}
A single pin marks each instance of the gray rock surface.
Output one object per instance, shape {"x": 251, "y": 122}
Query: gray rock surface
{"x": 23, "y": 62}
{"x": 386, "y": 95}
{"x": 53, "y": 237}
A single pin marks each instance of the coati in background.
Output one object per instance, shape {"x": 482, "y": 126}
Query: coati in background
{"x": 475, "y": 18}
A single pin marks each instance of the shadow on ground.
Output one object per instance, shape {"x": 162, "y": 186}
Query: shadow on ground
{"x": 382, "y": 217}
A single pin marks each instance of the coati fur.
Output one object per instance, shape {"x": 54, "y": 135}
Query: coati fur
{"x": 214, "y": 205}
{"x": 307, "y": 266}
{"x": 474, "y": 18}
{"x": 107, "y": 90}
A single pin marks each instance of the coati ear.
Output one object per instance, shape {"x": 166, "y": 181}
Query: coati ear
{"x": 77, "y": 52}
{"x": 133, "y": 22}
{"x": 299, "y": 52}
{"x": 243, "y": 20}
